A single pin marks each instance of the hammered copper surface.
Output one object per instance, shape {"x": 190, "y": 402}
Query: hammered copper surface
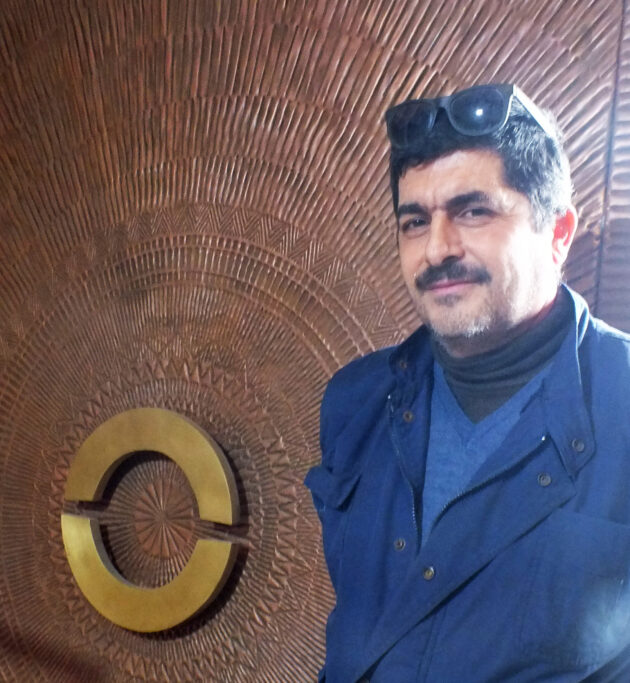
{"x": 195, "y": 215}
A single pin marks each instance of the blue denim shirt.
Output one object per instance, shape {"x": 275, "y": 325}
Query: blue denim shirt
{"x": 526, "y": 575}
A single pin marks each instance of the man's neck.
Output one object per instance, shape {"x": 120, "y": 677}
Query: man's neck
{"x": 483, "y": 382}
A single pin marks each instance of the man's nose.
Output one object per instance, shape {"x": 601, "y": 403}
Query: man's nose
{"x": 444, "y": 240}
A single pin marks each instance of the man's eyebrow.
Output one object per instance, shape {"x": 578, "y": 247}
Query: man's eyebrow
{"x": 462, "y": 200}
{"x": 412, "y": 208}
{"x": 452, "y": 205}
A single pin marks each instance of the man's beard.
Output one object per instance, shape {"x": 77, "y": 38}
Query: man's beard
{"x": 454, "y": 324}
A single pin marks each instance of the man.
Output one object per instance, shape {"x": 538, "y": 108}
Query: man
{"x": 474, "y": 489}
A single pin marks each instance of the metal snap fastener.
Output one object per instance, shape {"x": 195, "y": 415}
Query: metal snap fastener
{"x": 544, "y": 479}
{"x": 408, "y": 416}
{"x": 402, "y": 364}
{"x": 578, "y": 445}
{"x": 428, "y": 573}
{"x": 399, "y": 544}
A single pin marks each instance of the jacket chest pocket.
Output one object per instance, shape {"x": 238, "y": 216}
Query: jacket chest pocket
{"x": 577, "y": 607}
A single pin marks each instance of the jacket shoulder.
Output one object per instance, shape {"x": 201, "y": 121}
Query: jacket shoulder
{"x": 351, "y": 389}
{"x": 607, "y": 341}
{"x": 360, "y": 373}
{"x": 608, "y": 364}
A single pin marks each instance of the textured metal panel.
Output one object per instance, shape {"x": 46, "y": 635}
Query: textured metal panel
{"x": 195, "y": 215}
{"x": 613, "y": 300}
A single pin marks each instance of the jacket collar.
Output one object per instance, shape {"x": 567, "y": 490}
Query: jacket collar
{"x": 412, "y": 354}
{"x": 566, "y": 392}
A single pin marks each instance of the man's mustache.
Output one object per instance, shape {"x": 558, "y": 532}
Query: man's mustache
{"x": 451, "y": 270}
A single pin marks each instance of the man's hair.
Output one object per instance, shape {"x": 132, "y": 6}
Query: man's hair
{"x": 534, "y": 164}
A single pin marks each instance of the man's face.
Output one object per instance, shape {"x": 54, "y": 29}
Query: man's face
{"x": 471, "y": 259}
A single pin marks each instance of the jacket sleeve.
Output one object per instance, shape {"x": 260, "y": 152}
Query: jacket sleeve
{"x": 328, "y": 489}
{"x": 349, "y": 395}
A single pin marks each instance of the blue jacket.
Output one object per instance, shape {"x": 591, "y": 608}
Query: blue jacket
{"x": 526, "y": 574}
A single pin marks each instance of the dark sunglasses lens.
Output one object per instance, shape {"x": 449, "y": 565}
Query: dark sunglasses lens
{"x": 478, "y": 111}
{"x": 409, "y": 123}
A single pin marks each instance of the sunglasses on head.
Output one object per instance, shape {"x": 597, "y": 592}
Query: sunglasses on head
{"x": 479, "y": 110}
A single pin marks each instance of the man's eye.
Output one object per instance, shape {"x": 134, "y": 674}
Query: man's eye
{"x": 476, "y": 212}
{"x": 413, "y": 224}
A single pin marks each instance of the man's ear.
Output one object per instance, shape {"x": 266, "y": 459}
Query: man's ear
{"x": 563, "y": 233}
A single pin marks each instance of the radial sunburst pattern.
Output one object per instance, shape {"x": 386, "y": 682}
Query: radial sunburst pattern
{"x": 195, "y": 215}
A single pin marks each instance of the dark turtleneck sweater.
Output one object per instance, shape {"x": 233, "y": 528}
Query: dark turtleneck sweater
{"x": 484, "y": 382}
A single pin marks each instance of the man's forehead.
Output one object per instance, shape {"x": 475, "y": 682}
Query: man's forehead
{"x": 463, "y": 172}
